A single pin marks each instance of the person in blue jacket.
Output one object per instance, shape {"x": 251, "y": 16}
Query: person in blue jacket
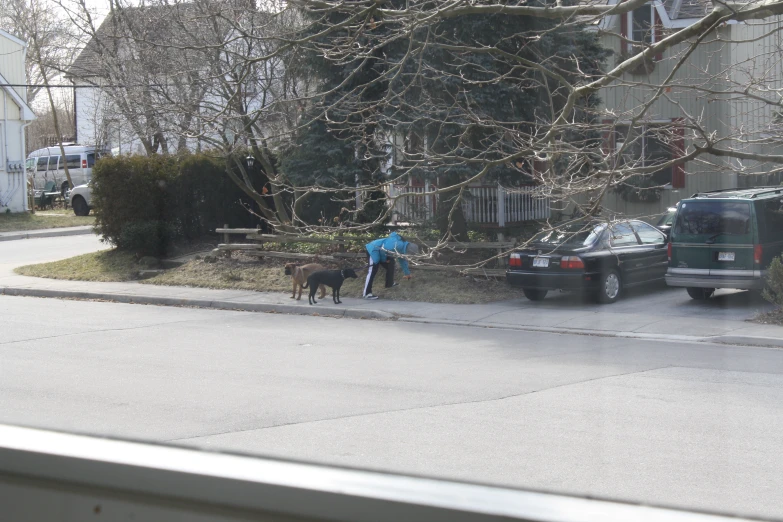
{"x": 381, "y": 252}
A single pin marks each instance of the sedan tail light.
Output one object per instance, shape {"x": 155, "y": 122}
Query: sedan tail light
{"x": 515, "y": 260}
{"x": 669, "y": 250}
{"x": 571, "y": 262}
{"x": 758, "y": 252}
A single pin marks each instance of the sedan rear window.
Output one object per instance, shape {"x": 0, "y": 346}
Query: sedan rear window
{"x": 581, "y": 235}
{"x": 713, "y": 217}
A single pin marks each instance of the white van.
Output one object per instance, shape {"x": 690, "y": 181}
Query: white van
{"x": 48, "y": 165}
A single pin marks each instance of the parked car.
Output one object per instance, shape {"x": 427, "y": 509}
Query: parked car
{"x": 665, "y": 223}
{"x": 48, "y": 165}
{"x": 80, "y": 199}
{"x": 595, "y": 257}
{"x": 725, "y": 239}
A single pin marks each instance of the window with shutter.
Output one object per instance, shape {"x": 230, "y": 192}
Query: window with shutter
{"x": 647, "y": 146}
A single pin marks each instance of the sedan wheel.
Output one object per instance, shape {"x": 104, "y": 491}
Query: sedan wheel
{"x": 80, "y": 207}
{"x": 610, "y": 288}
{"x": 700, "y": 294}
{"x": 534, "y": 295}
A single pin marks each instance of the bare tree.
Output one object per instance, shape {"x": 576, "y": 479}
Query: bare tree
{"x": 405, "y": 86}
{"x": 51, "y": 47}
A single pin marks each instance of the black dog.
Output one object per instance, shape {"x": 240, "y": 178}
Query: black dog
{"x": 332, "y": 278}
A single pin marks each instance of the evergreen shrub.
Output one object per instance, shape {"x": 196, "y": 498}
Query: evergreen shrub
{"x": 143, "y": 203}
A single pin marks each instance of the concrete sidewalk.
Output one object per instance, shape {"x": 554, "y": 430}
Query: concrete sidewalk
{"x": 563, "y": 315}
{"x": 46, "y": 232}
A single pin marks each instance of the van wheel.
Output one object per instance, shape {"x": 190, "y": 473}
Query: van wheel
{"x": 534, "y": 294}
{"x": 64, "y": 188}
{"x": 700, "y": 294}
{"x": 610, "y": 288}
{"x": 80, "y": 207}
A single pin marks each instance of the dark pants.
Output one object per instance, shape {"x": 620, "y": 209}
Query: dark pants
{"x": 388, "y": 266}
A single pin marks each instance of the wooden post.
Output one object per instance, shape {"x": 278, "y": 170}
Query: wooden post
{"x": 501, "y": 206}
{"x": 226, "y": 240}
{"x": 501, "y": 260}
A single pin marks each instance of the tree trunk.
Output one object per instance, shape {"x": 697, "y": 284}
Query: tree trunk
{"x": 449, "y": 216}
{"x": 56, "y": 120}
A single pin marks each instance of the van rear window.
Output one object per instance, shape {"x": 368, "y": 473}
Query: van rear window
{"x": 713, "y": 217}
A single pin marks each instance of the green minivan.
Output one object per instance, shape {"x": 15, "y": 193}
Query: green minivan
{"x": 725, "y": 239}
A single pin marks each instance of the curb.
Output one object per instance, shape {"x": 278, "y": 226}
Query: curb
{"x": 352, "y": 313}
{"x": 748, "y": 340}
{"x": 562, "y": 330}
{"x": 33, "y": 234}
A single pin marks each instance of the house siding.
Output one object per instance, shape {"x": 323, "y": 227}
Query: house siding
{"x": 704, "y": 66}
{"x": 13, "y": 187}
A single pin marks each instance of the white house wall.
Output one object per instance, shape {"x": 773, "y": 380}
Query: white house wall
{"x": 13, "y": 185}
{"x": 12, "y": 59}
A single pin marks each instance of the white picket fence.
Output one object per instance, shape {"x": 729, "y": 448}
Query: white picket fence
{"x": 485, "y": 204}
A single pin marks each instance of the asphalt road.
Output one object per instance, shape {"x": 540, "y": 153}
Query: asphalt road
{"x": 677, "y": 424}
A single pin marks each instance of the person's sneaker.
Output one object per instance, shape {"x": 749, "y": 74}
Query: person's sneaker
{"x": 394, "y": 284}
{"x": 370, "y": 296}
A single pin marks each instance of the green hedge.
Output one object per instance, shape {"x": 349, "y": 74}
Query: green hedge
{"x": 143, "y": 203}
{"x": 774, "y": 290}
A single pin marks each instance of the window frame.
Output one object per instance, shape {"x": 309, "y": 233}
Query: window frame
{"x": 633, "y": 233}
{"x": 631, "y": 27}
{"x": 642, "y": 136}
{"x": 637, "y": 226}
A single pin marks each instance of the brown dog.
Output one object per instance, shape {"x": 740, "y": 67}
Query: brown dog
{"x": 299, "y": 275}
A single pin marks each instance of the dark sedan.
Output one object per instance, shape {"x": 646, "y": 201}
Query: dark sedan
{"x": 596, "y": 257}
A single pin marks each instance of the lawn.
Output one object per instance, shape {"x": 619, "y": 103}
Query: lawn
{"x": 42, "y": 219}
{"x": 245, "y": 272}
{"x": 108, "y": 265}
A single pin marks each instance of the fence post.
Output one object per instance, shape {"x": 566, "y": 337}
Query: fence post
{"x": 226, "y": 240}
{"x": 427, "y": 200}
{"x": 501, "y": 206}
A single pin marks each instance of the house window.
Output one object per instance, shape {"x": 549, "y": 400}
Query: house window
{"x": 641, "y": 27}
{"x": 641, "y": 23}
{"x": 650, "y": 145}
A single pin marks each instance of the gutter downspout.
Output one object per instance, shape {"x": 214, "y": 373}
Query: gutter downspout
{"x": 27, "y": 187}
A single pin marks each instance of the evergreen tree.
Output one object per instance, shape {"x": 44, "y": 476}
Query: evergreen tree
{"x": 465, "y": 92}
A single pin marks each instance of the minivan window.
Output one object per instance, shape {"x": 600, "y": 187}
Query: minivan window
{"x": 42, "y": 164}
{"x": 53, "y": 162}
{"x": 713, "y": 217}
{"x": 770, "y": 217}
{"x": 72, "y": 160}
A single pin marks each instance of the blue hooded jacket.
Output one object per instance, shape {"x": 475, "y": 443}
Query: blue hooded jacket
{"x": 381, "y": 248}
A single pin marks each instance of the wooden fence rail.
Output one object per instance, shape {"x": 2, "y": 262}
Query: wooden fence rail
{"x": 256, "y": 249}
{"x": 251, "y": 235}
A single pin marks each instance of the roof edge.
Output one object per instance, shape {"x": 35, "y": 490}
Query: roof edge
{"x": 13, "y": 38}
{"x": 27, "y": 112}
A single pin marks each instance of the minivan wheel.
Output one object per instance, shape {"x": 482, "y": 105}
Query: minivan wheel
{"x": 534, "y": 294}
{"x": 80, "y": 207}
{"x": 610, "y": 287}
{"x": 700, "y": 293}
